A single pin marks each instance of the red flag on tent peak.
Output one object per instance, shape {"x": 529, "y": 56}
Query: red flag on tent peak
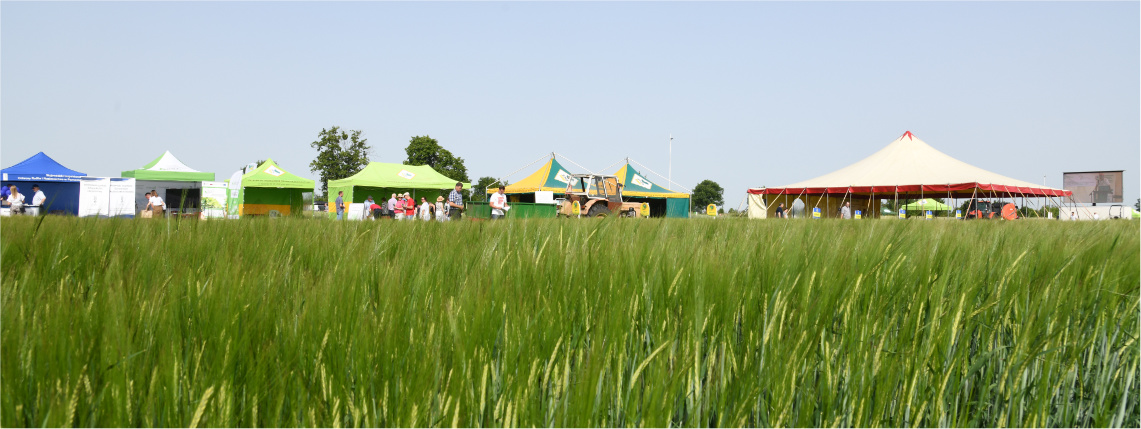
{"x": 908, "y": 135}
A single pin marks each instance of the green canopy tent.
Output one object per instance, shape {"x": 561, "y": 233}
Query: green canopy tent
{"x": 663, "y": 202}
{"x": 269, "y": 190}
{"x": 178, "y": 185}
{"x": 927, "y": 204}
{"x": 382, "y": 179}
{"x": 918, "y": 208}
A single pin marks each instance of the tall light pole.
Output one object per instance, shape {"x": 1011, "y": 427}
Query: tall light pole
{"x": 671, "y": 173}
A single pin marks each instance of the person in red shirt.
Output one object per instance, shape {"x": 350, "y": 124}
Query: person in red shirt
{"x": 409, "y": 207}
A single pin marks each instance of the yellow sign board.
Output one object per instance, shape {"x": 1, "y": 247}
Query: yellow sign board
{"x": 711, "y": 210}
{"x": 859, "y": 214}
{"x": 576, "y": 208}
{"x": 645, "y": 211}
{"x": 929, "y": 214}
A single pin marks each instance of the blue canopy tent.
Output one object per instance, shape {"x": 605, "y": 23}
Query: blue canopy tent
{"x": 59, "y": 184}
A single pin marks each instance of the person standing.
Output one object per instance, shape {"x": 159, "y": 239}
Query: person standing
{"x": 1073, "y": 216}
{"x": 425, "y": 209}
{"x": 339, "y": 204}
{"x": 498, "y": 202}
{"x": 780, "y": 211}
{"x": 456, "y": 202}
{"x": 158, "y": 206}
{"x": 1095, "y": 215}
{"x": 15, "y": 200}
{"x": 390, "y": 207}
{"x": 399, "y": 207}
{"x": 368, "y": 203}
{"x": 38, "y": 196}
{"x": 846, "y": 211}
{"x": 409, "y": 207}
{"x": 441, "y": 210}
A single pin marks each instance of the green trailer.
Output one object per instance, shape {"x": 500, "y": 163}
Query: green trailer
{"x": 482, "y": 210}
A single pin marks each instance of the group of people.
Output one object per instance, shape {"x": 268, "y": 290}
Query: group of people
{"x": 845, "y": 212}
{"x": 11, "y": 197}
{"x": 404, "y": 207}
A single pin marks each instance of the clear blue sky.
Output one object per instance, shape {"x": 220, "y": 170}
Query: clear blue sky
{"x": 754, "y": 93}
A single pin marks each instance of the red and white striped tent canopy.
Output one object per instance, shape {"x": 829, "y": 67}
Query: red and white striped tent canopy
{"x": 909, "y": 166}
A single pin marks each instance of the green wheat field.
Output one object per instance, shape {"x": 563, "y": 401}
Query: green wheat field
{"x": 599, "y": 322}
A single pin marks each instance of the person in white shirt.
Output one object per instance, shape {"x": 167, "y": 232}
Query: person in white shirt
{"x": 38, "y": 196}
{"x": 499, "y": 204}
{"x": 425, "y": 209}
{"x": 368, "y": 203}
{"x": 156, "y": 203}
{"x": 1095, "y": 215}
{"x": 16, "y": 201}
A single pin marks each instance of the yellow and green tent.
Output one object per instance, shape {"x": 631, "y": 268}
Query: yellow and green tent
{"x": 550, "y": 177}
{"x": 270, "y": 190}
{"x": 663, "y": 202}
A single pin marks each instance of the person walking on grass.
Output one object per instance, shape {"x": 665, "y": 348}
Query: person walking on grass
{"x": 498, "y": 204}
{"x": 456, "y": 202}
{"x": 340, "y": 205}
{"x": 846, "y": 211}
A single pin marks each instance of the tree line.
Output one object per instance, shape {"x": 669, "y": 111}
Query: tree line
{"x": 343, "y": 153}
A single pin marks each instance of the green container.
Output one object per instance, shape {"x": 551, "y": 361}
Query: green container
{"x": 482, "y": 210}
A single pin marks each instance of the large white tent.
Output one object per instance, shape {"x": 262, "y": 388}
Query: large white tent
{"x": 906, "y": 168}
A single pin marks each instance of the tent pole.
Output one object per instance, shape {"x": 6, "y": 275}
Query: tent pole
{"x": 974, "y": 198}
{"x": 949, "y": 198}
{"x": 802, "y": 192}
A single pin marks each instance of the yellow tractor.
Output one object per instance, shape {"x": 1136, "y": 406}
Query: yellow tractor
{"x": 596, "y": 195}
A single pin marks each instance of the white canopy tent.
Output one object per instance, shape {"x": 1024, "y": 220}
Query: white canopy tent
{"x": 906, "y": 167}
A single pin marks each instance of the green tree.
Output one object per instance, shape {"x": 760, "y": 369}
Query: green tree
{"x": 707, "y": 192}
{"x": 425, "y": 150}
{"x": 340, "y": 154}
{"x": 479, "y": 188}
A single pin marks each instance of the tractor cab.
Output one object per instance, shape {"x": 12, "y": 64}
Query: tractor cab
{"x": 597, "y": 196}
